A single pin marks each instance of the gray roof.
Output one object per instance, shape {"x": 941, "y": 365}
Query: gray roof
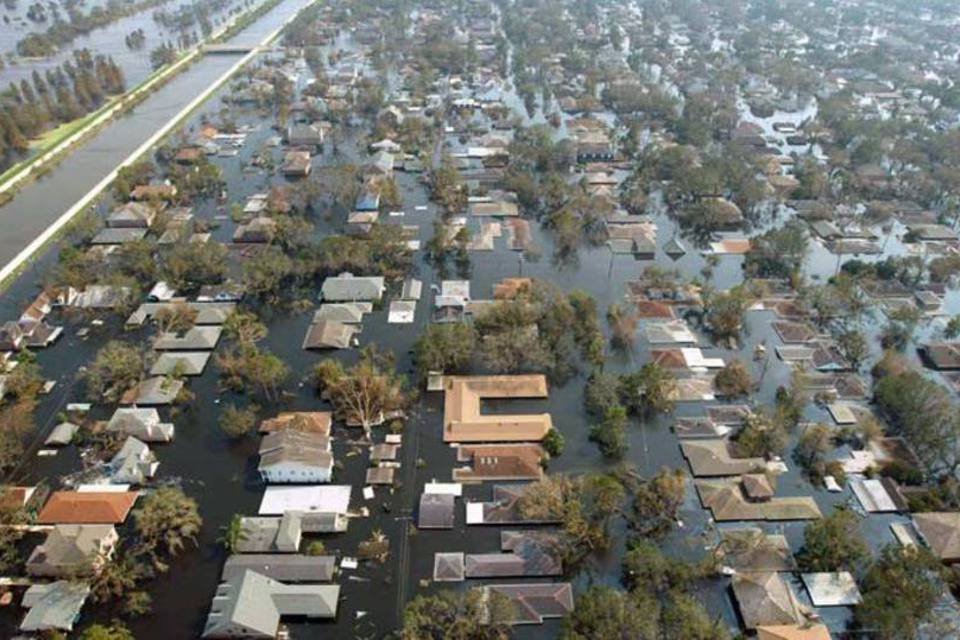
{"x": 133, "y": 464}
{"x": 436, "y": 511}
{"x": 69, "y": 548}
{"x": 251, "y": 605}
{"x": 347, "y": 287}
{"x": 142, "y": 423}
{"x": 118, "y": 235}
{"x": 305, "y": 449}
{"x": 327, "y": 334}
{"x": 62, "y": 434}
{"x": 412, "y": 289}
{"x": 282, "y": 567}
{"x": 195, "y": 339}
{"x": 282, "y": 534}
{"x": 154, "y": 391}
{"x": 188, "y": 363}
{"x": 448, "y": 567}
{"x": 53, "y": 606}
{"x": 345, "y": 312}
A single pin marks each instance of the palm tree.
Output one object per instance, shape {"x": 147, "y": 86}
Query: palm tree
{"x": 166, "y": 522}
{"x": 233, "y": 533}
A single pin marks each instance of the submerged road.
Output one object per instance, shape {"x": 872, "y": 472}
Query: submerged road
{"x": 46, "y": 205}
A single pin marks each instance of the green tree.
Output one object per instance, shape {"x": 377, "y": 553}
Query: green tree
{"x": 166, "y": 521}
{"x": 733, "y": 380}
{"x": 605, "y": 612}
{"x": 601, "y": 393}
{"x": 458, "y": 616}
{"x": 656, "y": 503}
{"x": 685, "y": 618}
{"x": 237, "y": 423}
{"x": 610, "y": 434}
{"x": 118, "y": 366}
{"x": 446, "y": 348}
{"x": 833, "y": 543}
{"x": 899, "y": 592}
{"x": 115, "y": 631}
{"x": 553, "y": 443}
{"x": 649, "y": 391}
{"x": 365, "y": 392}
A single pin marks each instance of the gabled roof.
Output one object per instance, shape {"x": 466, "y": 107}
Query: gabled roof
{"x": 764, "y": 598}
{"x": 307, "y": 421}
{"x": 941, "y": 532}
{"x": 53, "y": 606}
{"x": 72, "y": 507}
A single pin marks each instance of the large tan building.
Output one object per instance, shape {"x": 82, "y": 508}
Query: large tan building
{"x": 463, "y": 422}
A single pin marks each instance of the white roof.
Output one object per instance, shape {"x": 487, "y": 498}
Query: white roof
{"x": 872, "y": 496}
{"x": 402, "y": 312}
{"x": 831, "y": 589}
{"x": 455, "y": 289}
{"x": 324, "y": 499}
{"x": 475, "y": 513}
{"x": 103, "y": 488}
{"x": 448, "y": 488}
{"x": 694, "y": 358}
{"x": 842, "y": 413}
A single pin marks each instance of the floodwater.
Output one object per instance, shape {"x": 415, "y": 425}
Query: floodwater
{"x": 221, "y": 474}
{"x": 44, "y": 200}
{"x": 108, "y": 40}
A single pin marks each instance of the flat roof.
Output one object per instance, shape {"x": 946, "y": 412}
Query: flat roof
{"x": 323, "y": 499}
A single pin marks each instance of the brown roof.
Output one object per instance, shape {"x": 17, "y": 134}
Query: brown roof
{"x": 725, "y": 499}
{"x": 765, "y": 599}
{"x": 532, "y": 603}
{"x": 72, "y": 507}
{"x": 757, "y": 486}
{"x": 941, "y": 531}
{"x": 508, "y": 288}
{"x": 462, "y": 421}
{"x": 793, "y": 632}
{"x": 750, "y": 549}
{"x": 500, "y": 462}
{"x": 308, "y": 421}
{"x": 711, "y": 457}
{"x": 943, "y": 356}
{"x": 652, "y": 309}
{"x": 669, "y": 358}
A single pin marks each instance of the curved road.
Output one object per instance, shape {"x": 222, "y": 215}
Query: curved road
{"x": 40, "y": 204}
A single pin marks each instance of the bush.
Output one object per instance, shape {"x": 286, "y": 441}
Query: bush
{"x": 553, "y": 443}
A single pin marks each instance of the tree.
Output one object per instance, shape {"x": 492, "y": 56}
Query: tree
{"x": 899, "y": 592}
{"x": 601, "y": 393}
{"x": 165, "y": 522}
{"x": 648, "y": 570}
{"x": 811, "y": 448}
{"x": 447, "y": 348}
{"x": 237, "y": 423}
{"x": 248, "y": 367}
{"x": 176, "y": 318}
{"x": 725, "y": 313}
{"x": 605, "y": 612}
{"x": 761, "y": 436}
{"x": 833, "y": 543}
{"x": 553, "y": 443}
{"x": 449, "y": 615}
{"x": 778, "y": 253}
{"x": 118, "y": 366}
{"x": 376, "y": 547}
{"x": 685, "y": 618}
{"x": 853, "y": 345}
{"x": 115, "y": 631}
{"x": 233, "y": 533}
{"x": 363, "y": 393}
{"x": 649, "y": 391}
{"x": 117, "y": 579}
{"x": 189, "y": 265}
{"x": 610, "y": 434}
{"x": 657, "y": 501}
{"x": 733, "y": 380}
{"x": 623, "y": 325}
{"x": 922, "y": 412}
{"x": 265, "y": 273}
{"x": 244, "y": 328}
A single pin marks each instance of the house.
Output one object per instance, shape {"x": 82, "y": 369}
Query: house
{"x": 942, "y": 356}
{"x": 283, "y": 534}
{"x": 837, "y": 589}
{"x": 141, "y": 423}
{"x": 380, "y": 475}
{"x": 118, "y": 235}
{"x": 525, "y": 554}
{"x": 500, "y": 462}
{"x": 712, "y": 458}
{"x": 54, "y": 606}
{"x": 153, "y": 392}
{"x": 330, "y": 335}
{"x": 134, "y": 463}
{"x": 503, "y": 508}
{"x": 251, "y": 605}
{"x": 750, "y": 549}
{"x": 259, "y": 230}
{"x": 533, "y": 603}
{"x": 296, "y": 164}
{"x": 181, "y": 363}
{"x": 345, "y": 312}
{"x": 463, "y": 422}
{"x": 277, "y": 500}
{"x": 727, "y": 502}
{"x": 448, "y": 567}
{"x": 349, "y": 288}
{"x": 940, "y": 530}
{"x": 305, "y": 421}
{"x": 72, "y": 550}
{"x": 87, "y": 507}
{"x": 194, "y": 339}
{"x": 281, "y": 567}
{"x": 153, "y": 192}
{"x": 291, "y": 456}
{"x": 436, "y": 511}
{"x": 62, "y": 434}
{"x": 764, "y": 598}
{"x": 805, "y": 631}
{"x": 132, "y": 215}
{"x": 305, "y": 135}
